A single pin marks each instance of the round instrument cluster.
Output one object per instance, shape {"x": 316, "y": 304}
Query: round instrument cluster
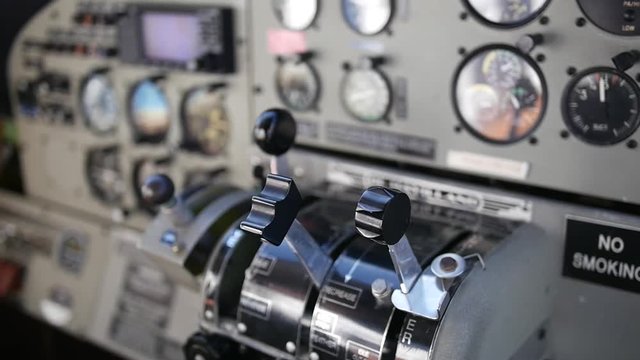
{"x": 204, "y": 120}
{"x": 105, "y": 176}
{"x": 367, "y": 17}
{"x": 500, "y": 94}
{"x": 296, "y": 14}
{"x": 366, "y": 94}
{"x": 99, "y": 103}
{"x": 298, "y": 84}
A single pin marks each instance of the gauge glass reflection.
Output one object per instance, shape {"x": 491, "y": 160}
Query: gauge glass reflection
{"x": 298, "y": 85}
{"x": 500, "y": 94}
{"x": 507, "y": 13}
{"x": 205, "y": 121}
{"x": 150, "y": 112}
{"x": 367, "y": 17}
{"x": 104, "y": 175}
{"x": 601, "y": 106}
{"x": 99, "y": 104}
{"x": 366, "y": 94}
{"x": 295, "y": 15}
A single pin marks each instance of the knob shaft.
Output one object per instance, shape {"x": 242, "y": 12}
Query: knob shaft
{"x": 383, "y": 215}
{"x": 275, "y": 131}
{"x": 158, "y": 190}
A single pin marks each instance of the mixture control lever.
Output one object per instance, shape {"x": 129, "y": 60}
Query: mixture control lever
{"x": 273, "y": 218}
{"x": 275, "y": 132}
{"x": 383, "y": 216}
{"x": 159, "y": 190}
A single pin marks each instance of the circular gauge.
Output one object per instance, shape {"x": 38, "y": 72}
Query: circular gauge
{"x": 367, "y": 17}
{"x": 99, "y": 104}
{"x": 296, "y": 15}
{"x": 507, "y": 13}
{"x": 601, "y": 106}
{"x": 366, "y": 94}
{"x": 298, "y": 85}
{"x": 500, "y": 94}
{"x": 104, "y": 175}
{"x": 150, "y": 115}
{"x": 204, "y": 121}
{"x": 142, "y": 170}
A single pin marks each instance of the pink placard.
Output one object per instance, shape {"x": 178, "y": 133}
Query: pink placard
{"x": 286, "y": 42}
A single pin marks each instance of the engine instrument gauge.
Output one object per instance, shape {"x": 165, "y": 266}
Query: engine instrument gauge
{"x": 507, "y": 13}
{"x": 98, "y": 103}
{"x": 298, "y": 85}
{"x": 150, "y": 115}
{"x": 601, "y": 106}
{"x": 500, "y": 94}
{"x": 367, "y": 17}
{"x": 296, "y": 15}
{"x": 104, "y": 175}
{"x": 366, "y": 94}
{"x": 204, "y": 120}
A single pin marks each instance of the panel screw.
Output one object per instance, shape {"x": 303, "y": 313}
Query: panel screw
{"x": 380, "y": 288}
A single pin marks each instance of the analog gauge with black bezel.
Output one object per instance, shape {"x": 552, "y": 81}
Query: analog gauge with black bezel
{"x": 507, "y": 13}
{"x": 368, "y": 17}
{"x": 296, "y": 15}
{"x": 500, "y": 94}
{"x": 204, "y": 120}
{"x": 150, "y": 115}
{"x": 104, "y": 175}
{"x": 99, "y": 103}
{"x": 298, "y": 85}
{"x": 366, "y": 94}
{"x": 601, "y": 106}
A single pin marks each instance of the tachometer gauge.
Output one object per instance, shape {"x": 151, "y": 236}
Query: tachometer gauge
{"x": 298, "y": 85}
{"x": 98, "y": 103}
{"x": 150, "y": 115}
{"x": 204, "y": 121}
{"x": 104, "y": 175}
{"x": 296, "y": 15}
{"x": 367, "y": 17}
{"x": 507, "y": 13}
{"x": 500, "y": 94}
{"x": 366, "y": 94}
{"x": 601, "y": 106}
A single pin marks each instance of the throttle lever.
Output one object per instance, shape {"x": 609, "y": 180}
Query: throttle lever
{"x": 273, "y": 218}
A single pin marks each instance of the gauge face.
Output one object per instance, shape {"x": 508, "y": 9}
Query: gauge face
{"x": 601, "y": 106}
{"x": 366, "y": 94}
{"x": 298, "y": 85}
{"x": 296, "y": 14}
{"x": 507, "y": 13}
{"x": 150, "y": 116}
{"x": 205, "y": 122}
{"x": 500, "y": 94}
{"x": 367, "y": 17}
{"x": 104, "y": 175}
{"x": 99, "y": 104}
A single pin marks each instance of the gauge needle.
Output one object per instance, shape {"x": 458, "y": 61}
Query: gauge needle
{"x": 603, "y": 91}
{"x": 515, "y": 102}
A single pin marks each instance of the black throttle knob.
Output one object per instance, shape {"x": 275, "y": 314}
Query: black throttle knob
{"x": 274, "y": 210}
{"x": 158, "y": 190}
{"x": 202, "y": 347}
{"x": 383, "y": 215}
{"x": 275, "y": 131}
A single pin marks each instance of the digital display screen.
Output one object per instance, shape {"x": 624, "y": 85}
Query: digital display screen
{"x": 173, "y": 37}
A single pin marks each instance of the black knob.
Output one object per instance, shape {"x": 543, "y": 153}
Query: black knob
{"x": 274, "y": 210}
{"x": 383, "y": 215}
{"x": 157, "y": 190}
{"x": 275, "y": 131}
{"x": 202, "y": 347}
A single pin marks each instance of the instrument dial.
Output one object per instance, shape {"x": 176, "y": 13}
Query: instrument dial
{"x": 150, "y": 114}
{"x": 601, "y": 106}
{"x": 507, "y": 13}
{"x": 298, "y": 85}
{"x": 367, "y": 17}
{"x": 500, "y": 94}
{"x": 204, "y": 120}
{"x": 296, "y": 15}
{"x": 366, "y": 94}
{"x": 104, "y": 175}
{"x": 99, "y": 104}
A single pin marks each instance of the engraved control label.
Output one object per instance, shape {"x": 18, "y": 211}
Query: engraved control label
{"x": 341, "y": 294}
{"x": 325, "y": 321}
{"x": 263, "y": 265}
{"x": 357, "y": 351}
{"x": 603, "y": 253}
{"x": 325, "y": 342}
{"x": 254, "y": 305}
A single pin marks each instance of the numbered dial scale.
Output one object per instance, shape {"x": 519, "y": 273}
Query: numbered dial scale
{"x": 98, "y": 103}
{"x": 366, "y": 94}
{"x": 601, "y": 106}
{"x": 298, "y": 84}
{"x": 367, "y": 17}
{"x": 204, "y": 120}
{"x": 507, "y": 13}
{"x": 296, "y": 15}
{"x": 500, "y": 94}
